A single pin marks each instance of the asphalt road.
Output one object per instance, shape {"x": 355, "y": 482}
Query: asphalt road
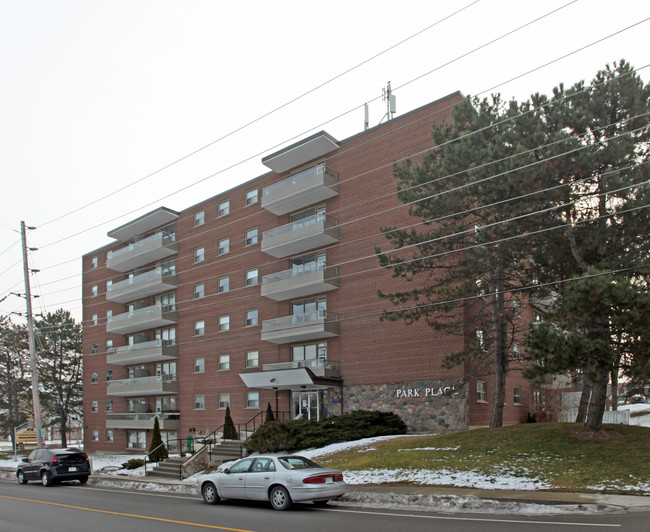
{"x": 75, "y": 508}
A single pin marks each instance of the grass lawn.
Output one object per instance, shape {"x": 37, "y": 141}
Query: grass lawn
{"x": 551, "y": 452}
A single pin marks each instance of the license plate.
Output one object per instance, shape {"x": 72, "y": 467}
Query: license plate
{"x": 329, "y": 480}
{"x": 72, "y": 469}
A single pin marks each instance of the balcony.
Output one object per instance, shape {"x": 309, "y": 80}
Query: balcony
{"x": 301, "y": 327}
{"x": 151, "y": 249}
{"x": 320, "y": 368}
{"x": 155, "y": 351}
{"x": 314, "y": 185}
{"x": 140, "y": 286}
{"x": 142, "y": 319}
{"x": 300, "y": 282}
{"x": 134, "y": 421}
{"x": 146, "y": 223}
{"x": 315, "y": 146}
{"x": 305, "y": 234}
{"x": 159, "y": 385}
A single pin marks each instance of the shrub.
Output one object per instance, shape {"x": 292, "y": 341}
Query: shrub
{"x": 302, "y": 434}
{"x": 157, "y": 451}
{"x": 133, "y": 463}
{"x": 229, "y": 430}
{"x": 269, "y": 413}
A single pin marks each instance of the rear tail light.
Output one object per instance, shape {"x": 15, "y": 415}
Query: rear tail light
{"x": 321, "y": 479}
{"x": 54, "y": 460}
{"x": 87, "y": 459}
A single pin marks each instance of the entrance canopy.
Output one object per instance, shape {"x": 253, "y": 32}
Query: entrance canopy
{"x": 285, "y": 379}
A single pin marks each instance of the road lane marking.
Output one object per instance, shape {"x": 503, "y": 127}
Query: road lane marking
{"x": 477, "y": 519}
{"x": 126, "y": 515}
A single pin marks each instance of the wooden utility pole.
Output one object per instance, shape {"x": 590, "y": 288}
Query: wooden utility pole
{"x": 32, "y": 344}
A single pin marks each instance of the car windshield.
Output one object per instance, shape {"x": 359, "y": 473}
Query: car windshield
{"x": 296, "y": 462}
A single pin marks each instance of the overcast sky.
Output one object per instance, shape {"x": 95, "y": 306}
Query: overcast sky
{"x": 101, "y": 97}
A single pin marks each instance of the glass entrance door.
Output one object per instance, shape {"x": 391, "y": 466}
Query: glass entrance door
{"x": 307, "y": 404}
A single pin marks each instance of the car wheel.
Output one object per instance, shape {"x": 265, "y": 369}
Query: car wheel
{"x": 46, "y": 478}
{"x": 280, "y": 499}
{"x": 209, "y": 492}
{"x": 83, "y": 480}
{"x": 20, "y": 476}
{"x": 321, "y": 504}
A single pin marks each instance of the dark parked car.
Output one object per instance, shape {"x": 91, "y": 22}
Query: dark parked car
{"x": 50, "y": 466}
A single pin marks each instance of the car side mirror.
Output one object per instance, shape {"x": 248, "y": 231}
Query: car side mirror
{"x": 227, "y": 471}
{"x": 26, "y": 460}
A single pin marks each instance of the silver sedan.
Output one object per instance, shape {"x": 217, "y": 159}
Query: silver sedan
{"x": 279, "y": 479}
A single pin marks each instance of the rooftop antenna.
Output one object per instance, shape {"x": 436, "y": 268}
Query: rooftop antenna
{"x": 391, "y": 104}
{"x": 366, "y": 121}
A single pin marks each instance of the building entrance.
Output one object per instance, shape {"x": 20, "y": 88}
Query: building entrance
{"x": 307, "y": 404}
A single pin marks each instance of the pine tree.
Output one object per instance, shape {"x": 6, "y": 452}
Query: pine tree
{"x": 269, "y": 413}
{"x": 157, "y": 451}
{"x": 229, "y": 430}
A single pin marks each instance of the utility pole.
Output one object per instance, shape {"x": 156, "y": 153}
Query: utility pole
{"x": 32, "y": 344}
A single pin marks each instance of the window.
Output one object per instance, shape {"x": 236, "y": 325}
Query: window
{"x": 93, "y": 291}
{"x": 199, "y": 218}
{"x": 109, "y": 315}
{"x": 224, "y": 246}
{"x": 252, "y": 277}
{"x": 109, "y": 345}
{"x": 251, "y": 197}
{"x": 516, "y": 351}
{"x": 199, "y": 255}
{"x": 95, "y": 435}
{"x": 199, "y": 402}
{"x": 253, "y": 400}
{"x": 224, "y": 362}
{"x": 94, "y": 378}
{"x": 94, "y": 406}
{"x": 517, "y": 395}
{"x": 94, "y": 319}
{"x": 224, "y": 401}
{"x": 109, "y": 285}
{"x": 308, "y": 263}
{"x": 309, "y": 309}
{"x": 309, "y": 352}
{"x": 109, "y": 375}
{"x": 199, "y": 365}
{"x": 166, "y": 337}
{"x": 251, "y": 318}
{"x": 252, "y": 359}
{"x": 136, "y": 439}
{"x": 109, "y": 405}
{"x": 516, "y": 306}
{"x": 94, "y": 349}
{"x": 110, "y": 437}
{"x": 224, "y": 323}
{"x": 481, "y": 392}
{"x": 537, "y": 317}
{"x": 93, "y": 262}
{"x": 224, "y": 285}
{"x": 199, "y": 291}
{"x": 199, "y": 328}
{"x": 224, "y": 208}
{"x": 251, "y": 237}
{"x": 167, "y": 301}
{"x": 480, "y": 339}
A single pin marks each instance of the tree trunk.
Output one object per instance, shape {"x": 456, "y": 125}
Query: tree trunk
{"x": 64, "y": 428}
{"x": 598, "y": 400}
{"x": 500, "y": 330}
{"x": 585, "y": 397}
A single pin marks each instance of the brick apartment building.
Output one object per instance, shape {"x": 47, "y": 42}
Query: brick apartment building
{"x": 267, "y": 294}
